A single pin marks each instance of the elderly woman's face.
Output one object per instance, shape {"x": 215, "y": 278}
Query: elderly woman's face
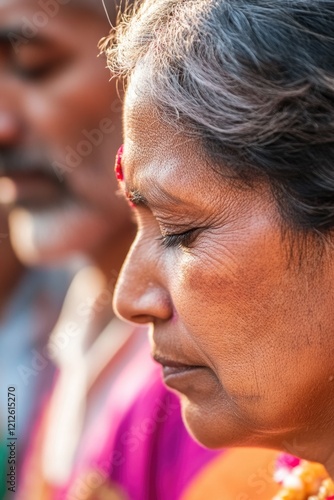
{"x": 242, "y": 326}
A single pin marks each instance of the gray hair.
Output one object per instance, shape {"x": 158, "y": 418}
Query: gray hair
{"x": 254, "y": 80}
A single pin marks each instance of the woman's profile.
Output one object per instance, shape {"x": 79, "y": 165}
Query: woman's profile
{"x": 229, "y": 162}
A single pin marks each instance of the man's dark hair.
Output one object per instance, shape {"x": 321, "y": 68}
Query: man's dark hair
{"x": 254, "y": 80}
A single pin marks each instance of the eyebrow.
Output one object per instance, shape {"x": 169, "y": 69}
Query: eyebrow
{"x": 158, "y": 194}
{"x": 135, "y": 197}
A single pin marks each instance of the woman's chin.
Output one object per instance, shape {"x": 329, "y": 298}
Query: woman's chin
{"x": 202, "y": 423}
{"x": 215, "y": 424}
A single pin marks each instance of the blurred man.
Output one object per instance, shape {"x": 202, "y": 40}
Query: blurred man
{"x": 61, "y": 127}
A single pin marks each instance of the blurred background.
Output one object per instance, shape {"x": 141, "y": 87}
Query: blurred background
{"x": 63, "y": 236}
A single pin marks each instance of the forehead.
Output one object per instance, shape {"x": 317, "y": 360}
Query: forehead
{"x": 147, "y": 135}
{"x": 158, "y": 157}
{"x": 169, "y": 167}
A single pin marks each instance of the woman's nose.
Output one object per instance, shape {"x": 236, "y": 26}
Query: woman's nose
{"x": 140, "y": 295}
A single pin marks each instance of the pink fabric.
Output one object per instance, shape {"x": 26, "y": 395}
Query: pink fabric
{"x": 137, "y": 438}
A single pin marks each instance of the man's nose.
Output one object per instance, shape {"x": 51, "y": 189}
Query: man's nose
{"x": 141, "y": 296}
{"x": 9, "y": 128}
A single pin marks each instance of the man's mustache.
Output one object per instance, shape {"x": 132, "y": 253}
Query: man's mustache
{"x": 14, "y": 161}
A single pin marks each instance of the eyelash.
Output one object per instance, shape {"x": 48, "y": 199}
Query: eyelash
{"x": 31, "y": 74}
{"x": 179, "y": 240}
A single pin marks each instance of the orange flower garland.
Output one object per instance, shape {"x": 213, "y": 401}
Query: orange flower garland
{"x": 302, "y": 480}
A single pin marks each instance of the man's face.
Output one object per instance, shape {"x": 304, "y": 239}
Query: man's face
{"x": 60, "y": 127}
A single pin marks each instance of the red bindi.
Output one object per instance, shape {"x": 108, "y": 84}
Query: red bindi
{"x": 118, "y": 164}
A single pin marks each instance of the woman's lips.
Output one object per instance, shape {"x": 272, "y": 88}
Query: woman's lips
{"x": 169, "y": 371}
{"x": 176, "y": 373}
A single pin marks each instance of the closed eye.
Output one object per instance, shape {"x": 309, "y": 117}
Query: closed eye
{"x": 184, "y": 239}
{"x": 34, "y": 73}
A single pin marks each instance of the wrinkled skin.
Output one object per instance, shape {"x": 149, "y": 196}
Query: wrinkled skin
{"x": 242, "y": 321}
